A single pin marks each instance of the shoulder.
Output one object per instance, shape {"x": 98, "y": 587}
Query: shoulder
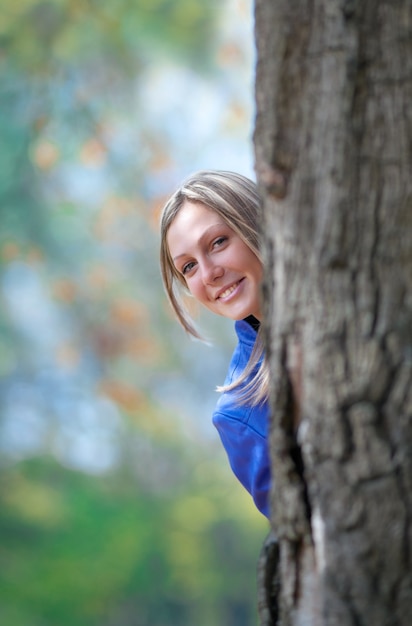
{"x": 231, "y": 415}
{"x": 229, "y": 412}
{"x": 228, "y": 408}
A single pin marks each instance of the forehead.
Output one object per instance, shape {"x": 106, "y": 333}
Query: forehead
{"x": 193, "y": 220}
{"x": 195, "y": 213}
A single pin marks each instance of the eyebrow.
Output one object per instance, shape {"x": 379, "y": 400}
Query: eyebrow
{"x": 203, "y": 236}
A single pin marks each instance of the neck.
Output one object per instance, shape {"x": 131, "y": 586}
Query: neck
{"x": 253, "y": 321}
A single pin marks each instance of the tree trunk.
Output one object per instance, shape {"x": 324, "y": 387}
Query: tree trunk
{"x": 333, "y": 145}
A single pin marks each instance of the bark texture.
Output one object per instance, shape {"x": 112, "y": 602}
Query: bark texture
{"x": 333, "y": 146}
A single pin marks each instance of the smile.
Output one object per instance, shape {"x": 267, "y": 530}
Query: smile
{"x": 226, "y": 293}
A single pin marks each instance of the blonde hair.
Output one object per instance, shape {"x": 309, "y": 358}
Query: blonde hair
{"x": 234, "y": 198}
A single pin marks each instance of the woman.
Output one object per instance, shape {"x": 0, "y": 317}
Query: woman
{"x": 210, "y": 248}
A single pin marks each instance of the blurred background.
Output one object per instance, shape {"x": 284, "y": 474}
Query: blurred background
{"x": 117, "y": 505}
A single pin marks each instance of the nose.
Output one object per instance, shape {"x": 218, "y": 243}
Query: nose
{"x": 211, "y": 271}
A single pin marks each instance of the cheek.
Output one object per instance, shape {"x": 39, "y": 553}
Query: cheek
{"x": 256, "y": 268}
{"x": 195, "y": 287}
{"x": 259, "y": 271}
{"x": 250, "y": 260}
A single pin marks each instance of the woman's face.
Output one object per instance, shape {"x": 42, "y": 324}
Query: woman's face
{"x": 220, "y": 270}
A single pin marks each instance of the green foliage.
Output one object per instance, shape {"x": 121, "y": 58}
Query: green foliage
{"x": 20, "y": 214}
{"x": 59, "y": 59}
{"x": 39, "y": 35}
{"x": 79, "y": 550}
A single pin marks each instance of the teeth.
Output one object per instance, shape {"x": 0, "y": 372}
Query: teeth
{"x": 228, "y": 291}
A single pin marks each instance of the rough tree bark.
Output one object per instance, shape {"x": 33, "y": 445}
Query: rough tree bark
{"x": 333, "y": 147}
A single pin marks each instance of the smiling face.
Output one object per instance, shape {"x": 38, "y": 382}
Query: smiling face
{"x": 219, "y": 269}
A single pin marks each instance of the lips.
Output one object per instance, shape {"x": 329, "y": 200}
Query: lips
{"x": 228, "y": 290}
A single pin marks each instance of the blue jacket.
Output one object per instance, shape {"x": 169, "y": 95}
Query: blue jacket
{"x": 243, "y": 428}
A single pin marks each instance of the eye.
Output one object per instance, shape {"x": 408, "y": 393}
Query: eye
{"x": 219, "y": 241}
{"x": 187, "y": 267}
